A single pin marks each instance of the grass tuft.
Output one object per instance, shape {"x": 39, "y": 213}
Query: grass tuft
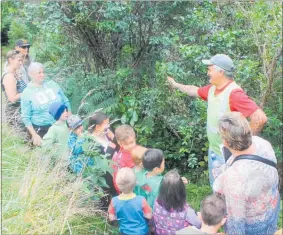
{"x": 40, "y": 197}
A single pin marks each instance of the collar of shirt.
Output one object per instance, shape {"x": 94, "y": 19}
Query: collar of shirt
{"x": 217, "y": 91}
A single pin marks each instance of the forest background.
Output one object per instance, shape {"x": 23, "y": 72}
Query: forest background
{"x": 116, "y": 56}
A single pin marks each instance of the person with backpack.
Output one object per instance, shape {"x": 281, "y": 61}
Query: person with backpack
{"x": 249, "y": 181}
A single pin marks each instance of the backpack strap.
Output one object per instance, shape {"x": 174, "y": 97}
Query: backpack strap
{"x": 255, "y": 158}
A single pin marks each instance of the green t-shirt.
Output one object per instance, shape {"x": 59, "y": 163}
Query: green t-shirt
{"x": 151, "y": 187}
{"x": 56, "y": 139}
{"x": 140, "y": 177}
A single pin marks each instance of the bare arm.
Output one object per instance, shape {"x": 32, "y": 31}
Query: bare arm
{"x": 257, "y": 121}
{"x": 148, "y": 215}
{"x": 147, "y": 211}
{"x": 188, "y": 89}
{"x": 36, "y": 139}
{"x": 111, "y": 212}
{"x": 9, "y": 82}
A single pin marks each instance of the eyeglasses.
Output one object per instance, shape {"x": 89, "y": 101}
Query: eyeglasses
{"x": 24, "y": 47}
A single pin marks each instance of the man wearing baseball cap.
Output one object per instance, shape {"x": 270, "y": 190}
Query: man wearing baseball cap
{"x": 223, "y": 95}
{"x": 23, "y": 46}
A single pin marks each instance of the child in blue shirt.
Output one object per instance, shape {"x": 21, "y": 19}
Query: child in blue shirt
{"x": 129, "y": 209}
{"x": 77, "y": 158}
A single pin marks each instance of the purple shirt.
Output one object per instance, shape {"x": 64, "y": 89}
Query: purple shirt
{"x": 169, "y": 222}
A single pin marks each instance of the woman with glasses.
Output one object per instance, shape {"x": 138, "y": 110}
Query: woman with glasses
{"x": 13, "y": 86}
{"x": 36, "y": 101}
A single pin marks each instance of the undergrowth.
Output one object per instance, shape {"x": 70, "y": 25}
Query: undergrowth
{"x": 43, "y": 198}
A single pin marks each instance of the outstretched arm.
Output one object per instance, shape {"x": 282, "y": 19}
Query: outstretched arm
{"x": 257, "y": 121}
{"x": 188, "y": 89}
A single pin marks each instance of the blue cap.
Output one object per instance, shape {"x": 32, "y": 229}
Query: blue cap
{"x": 56, "y": 110}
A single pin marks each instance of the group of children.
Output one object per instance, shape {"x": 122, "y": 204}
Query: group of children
{"x": 143, "y": 201}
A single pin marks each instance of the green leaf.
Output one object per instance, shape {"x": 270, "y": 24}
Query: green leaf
{"x": 124, "y": 119}
{"x": 102, "y": 182}
{"x": 206, "y": 158}
{"x": 86, "y": 146}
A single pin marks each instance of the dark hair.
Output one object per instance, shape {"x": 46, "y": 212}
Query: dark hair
{"x": 152, "y": 158}
{"x": 213, "y": 209}
{"x": 96, "y": 119}
{"x": 172, "y": 192}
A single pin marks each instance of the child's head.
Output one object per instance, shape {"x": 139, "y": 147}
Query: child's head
{"x": 126, "y": 180}
{"x": 75, "y": 124}
{"x": 137, "y": 154}
{"x": 126, "y": 137}
{"x": 59, "y": 111}
{"x": 213, "y": 210}
{"x": 153, "y": 160}
{"x": 98, "y": 122}
{"x": 172, "y": 192}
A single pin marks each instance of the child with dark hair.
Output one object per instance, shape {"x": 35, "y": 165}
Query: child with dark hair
{"x": 171, "y": 211}
{"x": 99, "y": 128}
{"x": 126, "y": 138}
{"x": 129, "y": 209}
{"x": 212, "y": 214}
{"x": 154, "y": 163}
{"x": 58, "y": 133}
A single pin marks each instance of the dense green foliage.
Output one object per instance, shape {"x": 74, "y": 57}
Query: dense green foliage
{"x": 116, "y": 55}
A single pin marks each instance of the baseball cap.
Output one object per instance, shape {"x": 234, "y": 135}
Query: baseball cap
{"x": 22, "y": 42}
{"x": 74, "y": 121}
{"x": 222, "y": 61}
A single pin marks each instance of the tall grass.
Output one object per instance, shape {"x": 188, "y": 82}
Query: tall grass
{"x": 43, "y": 198}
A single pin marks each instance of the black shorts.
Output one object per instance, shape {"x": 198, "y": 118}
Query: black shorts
{"x": 41, "y": 130}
